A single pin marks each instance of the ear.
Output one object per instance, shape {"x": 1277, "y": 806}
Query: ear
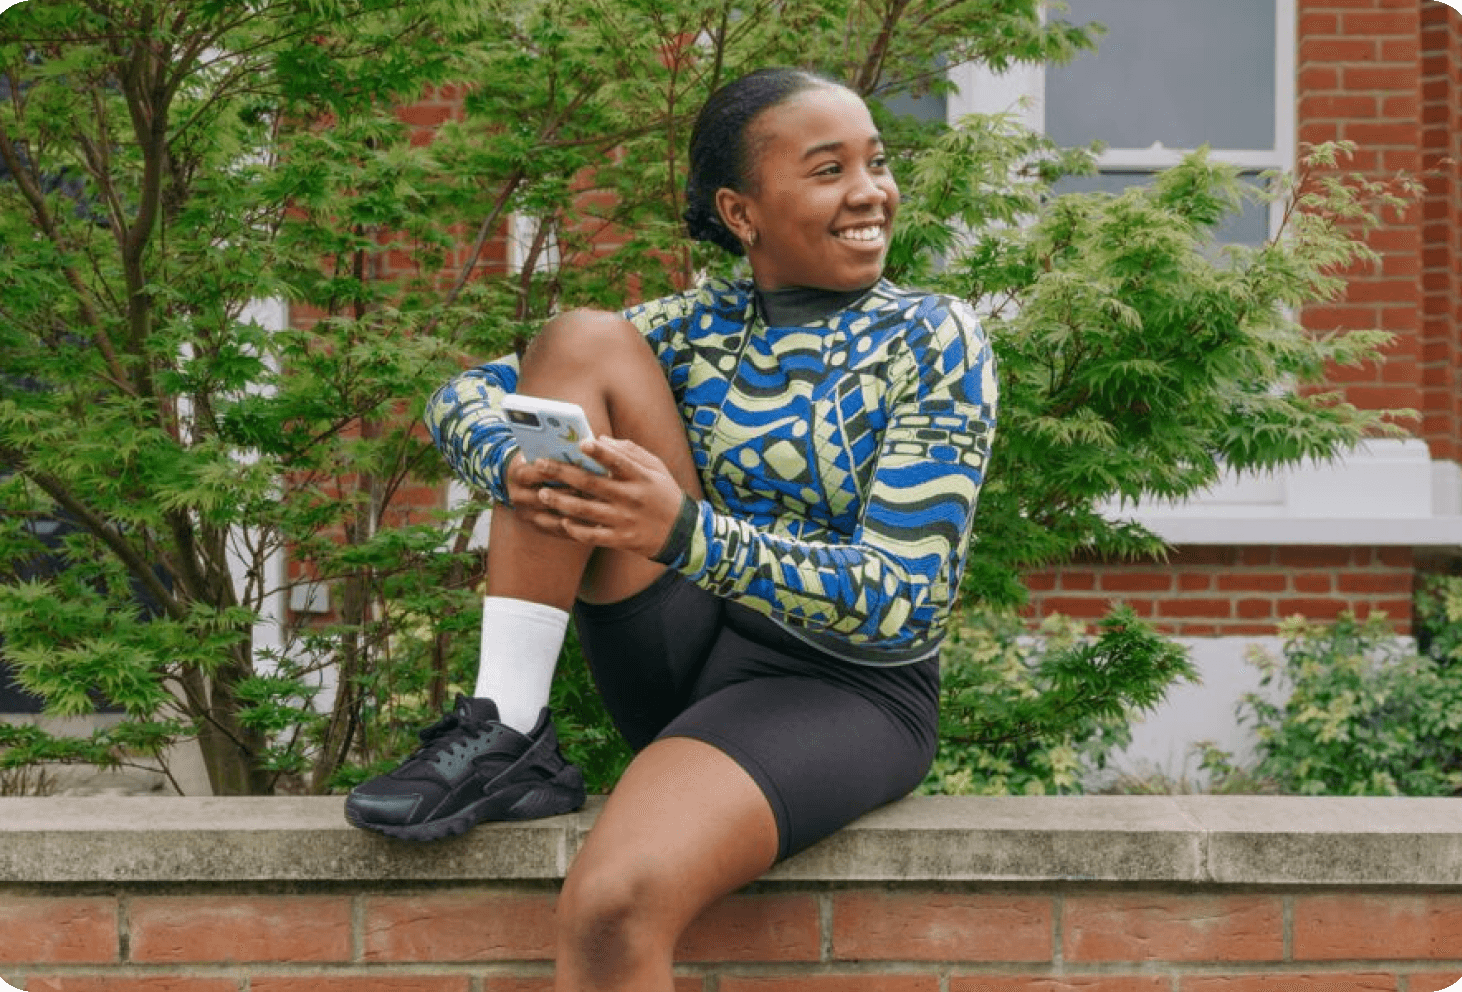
{"x": 736, "y": 212}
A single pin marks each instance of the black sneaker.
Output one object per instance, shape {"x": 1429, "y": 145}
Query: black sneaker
{"x": 469, "y": 768}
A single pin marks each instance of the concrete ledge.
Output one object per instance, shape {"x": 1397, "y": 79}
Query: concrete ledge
{"x": 1228, "y": 840}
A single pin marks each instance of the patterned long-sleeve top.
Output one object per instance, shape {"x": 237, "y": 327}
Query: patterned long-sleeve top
{"x": 841, "y": 460}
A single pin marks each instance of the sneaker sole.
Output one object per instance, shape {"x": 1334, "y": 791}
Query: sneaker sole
{"x": 561, "y": 794}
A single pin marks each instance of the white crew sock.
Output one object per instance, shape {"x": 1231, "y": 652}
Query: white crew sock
{"x": 520, "y": 645}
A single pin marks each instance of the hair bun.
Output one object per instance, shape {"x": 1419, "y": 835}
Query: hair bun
{"x": 704, "y": 225}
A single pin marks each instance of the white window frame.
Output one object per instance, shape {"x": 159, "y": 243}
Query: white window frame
{"x": 522, "y": 229}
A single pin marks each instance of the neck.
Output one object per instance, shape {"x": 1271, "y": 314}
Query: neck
{"x": 794, "y": 305}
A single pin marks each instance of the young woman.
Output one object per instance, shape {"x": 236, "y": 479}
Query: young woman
{"x": 761, "y": 582}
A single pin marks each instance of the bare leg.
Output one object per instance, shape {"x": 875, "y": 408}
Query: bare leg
{"x": 600, "y": 362}
{"x": 685, "y": 826}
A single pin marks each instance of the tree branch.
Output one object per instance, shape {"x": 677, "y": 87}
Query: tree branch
{"x": 147, "y": 102}
{"x": 47, "y": 224}
{"x": 484, "y": 232}
{"x": 872, "y": 69}
{"x": 140, "y": 568}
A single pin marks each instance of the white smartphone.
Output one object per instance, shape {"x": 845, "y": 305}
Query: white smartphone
{"x": 550, "y": 429}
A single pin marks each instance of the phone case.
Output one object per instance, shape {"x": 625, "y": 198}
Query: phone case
{"x": 550, "y": 429}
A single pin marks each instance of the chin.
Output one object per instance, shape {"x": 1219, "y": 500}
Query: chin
{"x": 850, "y": 279}
{"x": 863, "y": 279}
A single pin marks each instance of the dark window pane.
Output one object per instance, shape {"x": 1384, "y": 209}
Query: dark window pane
{"x": 51, "y": 532}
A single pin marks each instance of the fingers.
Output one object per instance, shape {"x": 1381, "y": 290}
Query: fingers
{"x": 551, "y": 494}
{"x": 621, "y": 456}
{"x": 632, "y": 508}
{"x": 624, "y": 460}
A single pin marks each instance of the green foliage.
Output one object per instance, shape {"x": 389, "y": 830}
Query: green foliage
{"x": 1363, "y": 714}
{"x": 1138, "y": 357}
{"x": 167, "y": 164}
{"x": 1031, "y": 715}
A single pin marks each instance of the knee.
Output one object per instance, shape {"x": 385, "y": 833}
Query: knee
{"x": 582, "y": 341}
{"x": 607, "y": 925}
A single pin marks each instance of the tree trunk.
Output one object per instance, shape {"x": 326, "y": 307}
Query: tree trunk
{"x": 230, "y": 751}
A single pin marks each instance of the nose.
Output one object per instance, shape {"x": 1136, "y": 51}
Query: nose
{"x": 867, "y": 189}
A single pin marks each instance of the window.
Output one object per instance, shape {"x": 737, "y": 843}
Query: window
{"x": 1167, "y": 77}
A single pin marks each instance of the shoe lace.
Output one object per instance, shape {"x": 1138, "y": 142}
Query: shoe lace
{"x": 437, "y": 737}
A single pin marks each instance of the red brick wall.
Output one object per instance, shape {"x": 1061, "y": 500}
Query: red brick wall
{"x": 1387, "y": 74}
{"x": 1359, "y": 79}
{"x": 852, "y": 938}
{"x": 1233, "y": 591}
{"x": 1441, "y": 135}
{"x": 414, "y": 502}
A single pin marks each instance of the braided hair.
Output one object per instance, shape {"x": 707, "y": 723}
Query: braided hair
{"x": 721, "y": 155}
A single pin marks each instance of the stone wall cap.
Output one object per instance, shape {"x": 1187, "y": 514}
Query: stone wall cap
{"x": 1239, "y": 840}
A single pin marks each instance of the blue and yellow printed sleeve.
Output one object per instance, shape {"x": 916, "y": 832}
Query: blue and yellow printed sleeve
{"x": 469, "y": 429}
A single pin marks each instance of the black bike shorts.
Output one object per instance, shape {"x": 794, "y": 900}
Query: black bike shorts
{"x": 826, "y": 740}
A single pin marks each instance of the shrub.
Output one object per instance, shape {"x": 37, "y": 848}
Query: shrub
{"x": 1364, "y": 714}
{"x": 1031, "y": 715}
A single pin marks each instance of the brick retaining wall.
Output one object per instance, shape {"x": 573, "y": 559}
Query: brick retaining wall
{"x": 1097, "y": 894}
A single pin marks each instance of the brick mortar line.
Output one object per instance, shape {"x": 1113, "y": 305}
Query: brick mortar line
{"x": 124, "y": 926}
{"x": 1287, "y": 916}
{"x": 357, "y": 927}
{"x": 945, "y": 971}
{"x": 703, "y": 969}
{"x": 1058, "y": 931}
{"x": 1198, "y": 969}
{"x": 825, "y": 926}
{"x": 287, "y": 969}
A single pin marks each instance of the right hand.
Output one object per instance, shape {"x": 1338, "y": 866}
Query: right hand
{"x": 633, "y": 509}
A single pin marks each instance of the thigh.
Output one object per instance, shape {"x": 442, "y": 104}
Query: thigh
{"x": 823, "y": 754}
{"x": 646, "y": 652}
{"x": 684, "y": 826}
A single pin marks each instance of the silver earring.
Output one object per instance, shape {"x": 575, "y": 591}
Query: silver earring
{"x": 751, "y": 239}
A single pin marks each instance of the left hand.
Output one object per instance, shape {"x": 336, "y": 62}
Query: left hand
{"x": 632, "y": 509}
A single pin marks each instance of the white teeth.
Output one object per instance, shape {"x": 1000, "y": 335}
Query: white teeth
{"x": 862, "y": 233}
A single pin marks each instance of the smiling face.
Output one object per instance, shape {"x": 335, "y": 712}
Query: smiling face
{"x": 821, "y": 198}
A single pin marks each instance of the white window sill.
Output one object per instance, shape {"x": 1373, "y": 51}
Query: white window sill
{"x": 1386, "y": 492}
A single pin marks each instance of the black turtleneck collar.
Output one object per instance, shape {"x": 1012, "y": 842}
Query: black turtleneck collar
{"x": 793, "y": 306}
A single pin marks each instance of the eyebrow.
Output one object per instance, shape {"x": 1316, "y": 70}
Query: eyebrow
{"x": 833, "y": 146}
